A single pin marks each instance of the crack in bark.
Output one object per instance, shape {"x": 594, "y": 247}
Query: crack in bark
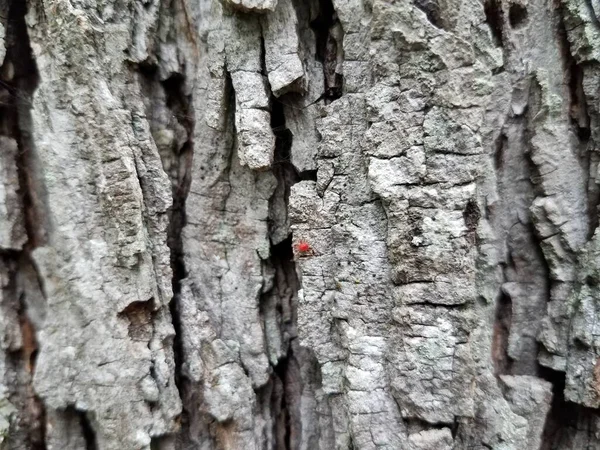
{"x": 177, "y": 161}
{"x": 285, "y": 383}
{"x": 19, "y": 88}
{"x": 18, "y": 81}
{"x": 180, "y": 105}
{"x": 517, "y": 15}
{"x": 431, "y": 8}
{"x": 503, "y": 318}
{"x": 286, "y": 379}
{"x": 88, "y": 431}
{"x": 566, "y": 419}
{"x": 329, "y": 51}
{"x": 494, "y": 18}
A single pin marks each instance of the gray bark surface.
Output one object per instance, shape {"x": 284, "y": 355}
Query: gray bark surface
{"x": 299, "y": 224}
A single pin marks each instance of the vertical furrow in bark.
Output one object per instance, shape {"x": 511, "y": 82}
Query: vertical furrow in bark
{"x": 329, "y": 36}
{"x": 501, "y": 333}
{"x": 280, "y": 302}
{"x": 494, "y": 19}
{"x": 524, "y": 292}
{"x": 171, "y": 117}
{"x": 21, "y": 296}
{"x": 88, "y": 432}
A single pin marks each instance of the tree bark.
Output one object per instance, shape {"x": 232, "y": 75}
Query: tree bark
{"x": 161, "y": 162}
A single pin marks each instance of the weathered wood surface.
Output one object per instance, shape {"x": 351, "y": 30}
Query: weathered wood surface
{"x": 160, "y": 160}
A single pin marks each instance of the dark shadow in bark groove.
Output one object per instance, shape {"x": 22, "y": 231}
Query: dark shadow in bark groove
{"x": 565, "y": 419}
{"x": 494, "y": 19}
{"x": 432, "y": 10}
{"x": 283, "y": 169}
{"x": 31, "y": 415}
{"x": 286, "y": 379}
{"x": 471, "y": 216}
{"x": 139, "y": 316}
{"x": 499, "y": 156}
{"x": 308, "y": 175}
{"x": 329, "y": 47}
{"x": 88, "y": 431}
{"x": 285, "y": 385}
{"x": 180, "y": 106}
{"x": 501, "y": 332}
{"x": 517, "y": 15}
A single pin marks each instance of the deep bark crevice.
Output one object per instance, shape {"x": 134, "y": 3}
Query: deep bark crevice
{"x": 501, "y": 332}
{"x": 283, "y": 169}
{"x": 565, "y": 419}
{"x": 286, "y": 378}
{"x": 18, "y": 82}
{"x": 21, "y": 362}
{"x": 329, "y": 51}
{"x": 431, "y": 8}
{"x": 517, "y": 15}
{"x": 180, "y": 105}
{"x": 19, "y": 79}
{"x": 285, "y": 384}
{"x": 499, "y": 151}
{"x": 578, "y": 109}
{"x": 415, "y": 425}
{"x": 308, "y": 175}
{"x": 495, "y": 19}
{"x": 321, "y": 25}
{"x": 87, "y": 430}
{"x": 177, "y": 162}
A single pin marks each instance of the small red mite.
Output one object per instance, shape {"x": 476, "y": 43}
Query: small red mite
{"x": 303, "y": 247}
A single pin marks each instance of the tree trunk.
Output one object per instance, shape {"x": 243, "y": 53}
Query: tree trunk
{"x": 299, "y": 224}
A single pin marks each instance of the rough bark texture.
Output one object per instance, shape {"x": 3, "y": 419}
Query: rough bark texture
{"x": 161, "y": 160}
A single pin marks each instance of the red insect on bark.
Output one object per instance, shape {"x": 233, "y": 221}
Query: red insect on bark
{"x": 304, "y": 248}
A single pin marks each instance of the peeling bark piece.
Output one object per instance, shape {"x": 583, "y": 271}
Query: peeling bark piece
{"x": 251, "y": 90}
{"x": 284, "y": 67}
{"x": 530, "y": 398}
{"x": 256, "y": 140}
